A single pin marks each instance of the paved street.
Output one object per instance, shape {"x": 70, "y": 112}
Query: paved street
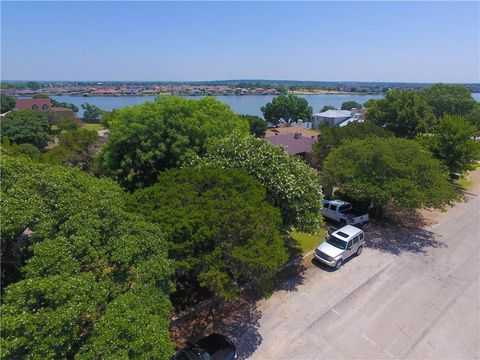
{"x": 412, "y": 299}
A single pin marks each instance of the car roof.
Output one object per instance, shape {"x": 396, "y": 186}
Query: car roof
{"x": 349, "y": 230}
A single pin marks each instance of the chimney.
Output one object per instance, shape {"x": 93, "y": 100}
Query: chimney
{"x": 353, "y": 111}
{"x": 300, "y": 123}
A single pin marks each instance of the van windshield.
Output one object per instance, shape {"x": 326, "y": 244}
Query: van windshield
{"x": 339, "y": 243}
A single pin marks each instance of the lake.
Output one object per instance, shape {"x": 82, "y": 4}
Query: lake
{"x": 243, "y": 104}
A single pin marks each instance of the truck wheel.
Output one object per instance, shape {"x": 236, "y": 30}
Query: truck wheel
{"x": 338, "y": 264}
{"x": 359, "y": 250}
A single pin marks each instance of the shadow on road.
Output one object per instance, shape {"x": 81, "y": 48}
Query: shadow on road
{"x": 397, "y": 240}
{"x": 237, "y": 319}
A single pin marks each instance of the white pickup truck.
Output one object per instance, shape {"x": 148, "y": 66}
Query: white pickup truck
{"x": 342, "y": 212}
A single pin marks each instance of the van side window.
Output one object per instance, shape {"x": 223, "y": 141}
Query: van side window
{"x": 355, "y": 239}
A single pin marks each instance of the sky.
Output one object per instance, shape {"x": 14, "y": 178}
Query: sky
{"x": 199, "y": 41}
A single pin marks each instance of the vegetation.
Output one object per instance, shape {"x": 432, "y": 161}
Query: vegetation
{"x": 328, "y": 107}
{"x": 93, "y": 127}
{"x": 308, "y": 242}
{"x": 26, "y": 126}
{"x": 67, "y": 125}
{"x": 291, "y": 184}
{"x": 92, "y": 113}
{"x": 288, "y": 109}
{"x": 258, "y": 126}
{"x": 66, "y": 105}
{"x": 220, "y": 229}
{"x": 152, "y": 137}
{"x": 404, "y": 112}
{"x": 73, "y": 149}
{"x": 91, "y": 281}
{"x": 331, "y": 137}
{"x": 452, "y": 143}
{"x": 7, "y": 103}
{"x": 449, "y": 99}
{"x": 388, "y": 172}
{"x": 348, "y": 105}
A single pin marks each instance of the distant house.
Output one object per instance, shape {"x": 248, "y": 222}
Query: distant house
{"x": 338, "y": 117}
{"x": 54, "y": 114}
{"x": 34, "y": 104}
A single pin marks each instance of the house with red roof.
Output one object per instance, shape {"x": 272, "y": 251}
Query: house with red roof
{"x": 54, "y": 114}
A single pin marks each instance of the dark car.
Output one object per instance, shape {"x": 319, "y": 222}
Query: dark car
{"x": 212, "y": 347}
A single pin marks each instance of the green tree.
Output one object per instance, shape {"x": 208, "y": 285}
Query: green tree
{"x": 330, "y": 138}
{"x": 67, "y": 125}
{"x": 92, "y": 113}
{"x": 449, "y": 99}
{"x": 348, "y": 105}
{"x": 287, "y": 108}
{"x": 282, "y": 89}
{"x": 26, "y": 126}
{"x": 258, "y": 126}
{"x": 73, "y": 149}
{"x": 474, "y": 117}
{"x": 292, "y": 185}
{"x": 7, "y": 103}
{"x": 452, "y": 143}
{"x": 405, "y": 112}
{"x": 388, "y": 172}
{"x": 220, "y": 228}
{"x": 151, "y": 137}
{"x": 328, "y": 107}
{"x": 66, "y": 105}
{"x": 92, "y": 281}
{"x": 32, "y": 85}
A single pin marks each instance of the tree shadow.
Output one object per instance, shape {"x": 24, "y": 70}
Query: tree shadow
{"x": 400, "y": 239}
{"x": 237, "y": 319}
{"x": 291, "y": 277}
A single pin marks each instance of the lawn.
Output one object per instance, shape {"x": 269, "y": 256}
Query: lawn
{"x": 308, "y": 242}
{"x": 95, "y": 127}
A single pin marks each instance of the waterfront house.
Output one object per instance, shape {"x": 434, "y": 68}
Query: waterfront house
{"x": 338, "y": 117}
{"x": 53, "y": 113}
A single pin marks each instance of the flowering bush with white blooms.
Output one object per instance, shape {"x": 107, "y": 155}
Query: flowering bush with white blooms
{"x": 291, "y": 184}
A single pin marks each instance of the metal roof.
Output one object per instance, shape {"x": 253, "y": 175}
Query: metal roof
{"x": 335, "y": 114}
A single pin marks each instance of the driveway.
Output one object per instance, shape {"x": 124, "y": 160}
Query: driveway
{"x": 412, "y": 294}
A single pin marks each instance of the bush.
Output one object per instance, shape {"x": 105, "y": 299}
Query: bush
{"x": 26, "y": 126}
{"x": 292, "y": 185}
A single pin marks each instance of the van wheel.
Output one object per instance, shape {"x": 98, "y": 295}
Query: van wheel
{"x": 359, "y": 250}
{"x": 338, "y": 264}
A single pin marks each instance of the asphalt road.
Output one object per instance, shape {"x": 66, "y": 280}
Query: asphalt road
{"x": 420, "y": 302}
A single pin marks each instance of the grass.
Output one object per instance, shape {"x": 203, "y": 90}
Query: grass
{"x": 464, "y": 183}
{"x": 308, "y": 242}
{"x": 95, "y": 127}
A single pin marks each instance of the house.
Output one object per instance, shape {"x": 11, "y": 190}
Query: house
{"x": 34, "y": 104}
{"x": 54, "y": 114}
{"x": 338, "y": 117}
{"x": 298, "y": 128}
{"x": 296, "y": 140}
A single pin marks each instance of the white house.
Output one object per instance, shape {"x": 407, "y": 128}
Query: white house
{"x": 337, "y": 117}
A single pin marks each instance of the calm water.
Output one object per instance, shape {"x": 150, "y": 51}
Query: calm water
{"x": 245, "y": 104}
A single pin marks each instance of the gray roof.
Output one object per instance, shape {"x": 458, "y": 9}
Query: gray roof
{"x": 301, "y": 144}
{"x": 334, "y": 113}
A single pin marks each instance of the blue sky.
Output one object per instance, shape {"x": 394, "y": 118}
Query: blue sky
{"x": 148, "y": 41}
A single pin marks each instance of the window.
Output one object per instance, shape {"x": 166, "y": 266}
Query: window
{"x": 325, "y": 206}
{"x": 342, "y": 234}
{"x": 34, "y": 107}
{"x": 361, "y": 236}
{"x": 349, "y": 245}
{"x": 355, "y": 239}
{"x": 44, "y": 106}
{"x": 344, "y": 207}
